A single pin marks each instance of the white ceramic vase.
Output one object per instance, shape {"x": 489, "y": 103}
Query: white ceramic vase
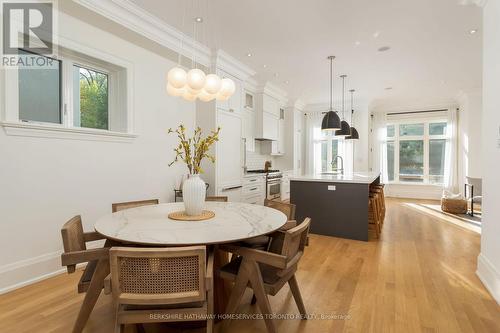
{"x": 193, "y": 195}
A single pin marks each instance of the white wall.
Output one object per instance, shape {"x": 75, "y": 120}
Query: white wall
{"x": 470, "y": 136}
{"x": 489, "y": 260}
{"x": 44, "y": 182}
{"x": 361, "y": 156}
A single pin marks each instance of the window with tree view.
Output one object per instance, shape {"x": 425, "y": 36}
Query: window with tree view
{"x": 91, "y": 106}
{"x": 416, "y": 152}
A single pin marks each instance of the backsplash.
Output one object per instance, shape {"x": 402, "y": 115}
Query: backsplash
{"x": 256, "y": 160}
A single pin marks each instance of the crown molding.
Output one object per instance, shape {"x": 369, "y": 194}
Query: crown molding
{"x": 233, "y": 66}
{"x": 142, "y": 22}
{"x": 479, "y": 3}
{"x": 274, "y": 91}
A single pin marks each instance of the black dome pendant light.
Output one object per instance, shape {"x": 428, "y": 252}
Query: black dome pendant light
{"x": 354, "y": 132}
{"x": 345, "y": 129}
{"x": 331, "y": 120}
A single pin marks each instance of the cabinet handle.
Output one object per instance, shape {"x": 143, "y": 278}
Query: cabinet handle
{"x": 231, "y": 110}
{"x": 253, "y": 189}
{"x": 231, "y": 188}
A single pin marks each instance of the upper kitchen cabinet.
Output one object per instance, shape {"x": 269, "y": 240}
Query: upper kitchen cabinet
{"x": 267, "y": 112}
{"x": 248, "y": 116}
{"x": 235, "y": 103}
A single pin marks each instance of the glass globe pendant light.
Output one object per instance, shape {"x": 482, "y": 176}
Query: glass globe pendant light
{"x": 195, "y": 84}
{"x": 331, "y": 120}
{"x": 345, "y": 129}
{"x": 354, "y": 132}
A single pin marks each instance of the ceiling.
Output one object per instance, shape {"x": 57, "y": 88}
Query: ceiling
{"x": 432, "y": 56}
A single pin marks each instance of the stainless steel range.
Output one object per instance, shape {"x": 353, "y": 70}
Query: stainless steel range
{"x": 273, "y": 183}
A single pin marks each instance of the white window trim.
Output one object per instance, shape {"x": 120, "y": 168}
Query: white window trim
{"x": 426, "y": 137}
{"x": 10, "y": 111}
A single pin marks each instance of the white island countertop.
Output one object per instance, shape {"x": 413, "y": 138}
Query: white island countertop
{"x": 355, "y": 178}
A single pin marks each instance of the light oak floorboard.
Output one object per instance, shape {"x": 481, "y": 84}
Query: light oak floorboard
{"x": 418, "y": 277}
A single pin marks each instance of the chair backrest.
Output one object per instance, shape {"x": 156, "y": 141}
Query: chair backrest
{"x": 286, "y": 208}
{"x": 477, "y": 183}
{"x": 293, "y": 242}
{"x": 214, "y": 198}
{"x": 116, "y": 207}
{"x": 72, "y": 237}
{"x": 158, "y": 275}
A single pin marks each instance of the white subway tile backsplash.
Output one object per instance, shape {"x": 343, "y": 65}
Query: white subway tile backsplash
{"x": 256, "y": 160}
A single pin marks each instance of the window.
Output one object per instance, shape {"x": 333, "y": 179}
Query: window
{"x": 39, "y": 91}
{"x": 416, "y": 152}
{"x": 91, "y": 105}
{"x": 329, "y": 150}
{"x": 71, "y": 90}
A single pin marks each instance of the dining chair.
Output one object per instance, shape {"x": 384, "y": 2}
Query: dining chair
{"x": 266, "y": 272}
{"x": 214, "y": 198}
{"x": 116, "y": 207}
{"x": 76, "y": 252}
{"x": 262, "y": 242}
{"x": 151, "y": 285}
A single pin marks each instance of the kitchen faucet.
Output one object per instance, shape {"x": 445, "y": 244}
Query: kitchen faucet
{"x": 334, "y": 162}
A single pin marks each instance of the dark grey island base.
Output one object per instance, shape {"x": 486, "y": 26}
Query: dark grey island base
{"x": 338, "y": 206}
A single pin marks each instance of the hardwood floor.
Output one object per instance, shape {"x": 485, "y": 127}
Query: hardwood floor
{"x": 419, "y": 277}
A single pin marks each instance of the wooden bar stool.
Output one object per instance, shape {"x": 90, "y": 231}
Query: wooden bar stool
{"x": 379, "y": 189}
{"x": 374, "y": 213}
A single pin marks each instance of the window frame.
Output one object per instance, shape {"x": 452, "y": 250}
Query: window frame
{"x": 120, "y": 97}
{"x": 426, "y": 137}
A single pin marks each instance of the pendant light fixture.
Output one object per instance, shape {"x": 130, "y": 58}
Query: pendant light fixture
{"x": 331, "y": 120}
{"x": 345, "y": 129}
{"x": 195, "y": 83}
{"x": 354, "y": 132}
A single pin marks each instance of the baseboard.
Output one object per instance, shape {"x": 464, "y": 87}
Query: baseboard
{"x": 489, "y": 276}
{"x": 413, "y": 191}
{"x": 25, "y": 272}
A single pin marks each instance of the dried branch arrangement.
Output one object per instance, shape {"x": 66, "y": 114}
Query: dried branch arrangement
{"x": 192, "y": 150}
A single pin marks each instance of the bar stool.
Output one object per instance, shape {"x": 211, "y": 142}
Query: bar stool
{"x": 379, "y": 189}
{"x": 374, "y": 212}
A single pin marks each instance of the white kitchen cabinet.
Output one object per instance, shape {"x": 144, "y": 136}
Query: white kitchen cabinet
{"x": 276, "y": 147}
{"x": 229, "y": 149}
{"x": 235, "y": 102}
{"x": 233, "y": 193}
{"x": 270, "y": 105}
{"x": 267, "y": 115}
{"x": 254, "y": 190}
{"x": 248, "y": 120}
{"x": 269, "y": 127}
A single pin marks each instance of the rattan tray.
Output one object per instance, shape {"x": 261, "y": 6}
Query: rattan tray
{"x": 182, "y": 216}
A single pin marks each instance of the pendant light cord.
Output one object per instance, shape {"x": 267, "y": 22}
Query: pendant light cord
{"x": 352, "y": 108}
{"x": 331, "y": 83}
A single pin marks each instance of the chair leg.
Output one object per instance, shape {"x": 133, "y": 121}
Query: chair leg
{"x": 294, "y": 287}
{"x": 260, "y": 293}
{"x": 210, "y": 310}
{"x": 92, "y": 294}
{"x": 240, "y": 285}
{"x": 254, "y": 299}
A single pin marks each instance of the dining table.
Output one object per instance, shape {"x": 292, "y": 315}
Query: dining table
{"x": 150, "y": 226}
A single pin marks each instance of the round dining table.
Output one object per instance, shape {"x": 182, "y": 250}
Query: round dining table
{"x": 151, "y": 226}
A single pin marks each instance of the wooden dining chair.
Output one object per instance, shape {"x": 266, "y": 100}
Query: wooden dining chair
{"x": 151, "y": 285}
{"x": 116, "y": 207}
{"x": 262, "y": 242}
{"x": 266, "y": 272}
{"x": 215, "y": 198}
{"x": 76, "y": 252}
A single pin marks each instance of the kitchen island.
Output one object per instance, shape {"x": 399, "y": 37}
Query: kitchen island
{"x": 336, "y": 203}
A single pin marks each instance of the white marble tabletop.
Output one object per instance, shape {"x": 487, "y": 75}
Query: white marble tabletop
{"x": 150, "y": 225}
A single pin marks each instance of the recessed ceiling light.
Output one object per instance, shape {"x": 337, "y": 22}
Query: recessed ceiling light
{"x": 249, "y": 54}
{"x": 384, "y": 48}
{"x": 265, "y": 66}
{"x": 357, "y": 43}
{"x": 287, "y": 82}
{"x": 388, "y": 88}
{"x": 376, "y": 34}
{"x": 198, "y": 19}
{"x": 276, "y": 75}
{"x": 473, "y": 31}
